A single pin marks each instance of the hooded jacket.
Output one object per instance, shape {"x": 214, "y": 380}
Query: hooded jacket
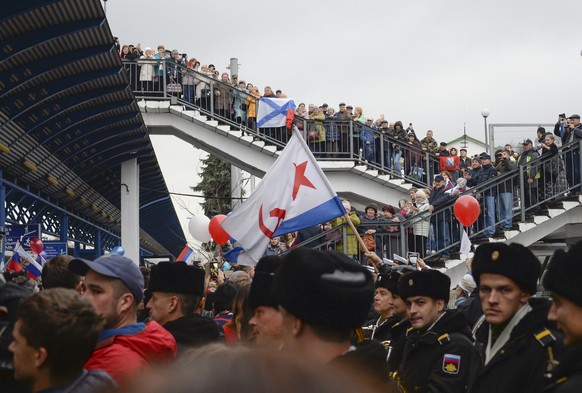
{"x": 125, "y": 351}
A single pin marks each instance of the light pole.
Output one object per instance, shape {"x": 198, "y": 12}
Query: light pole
{"x": 485, "y": 113}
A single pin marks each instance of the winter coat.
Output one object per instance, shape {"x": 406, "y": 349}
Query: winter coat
{"x": 126, "y": 351}
{"x": 465, "y": 162}
{"x": 520, "y": 365}
{"x": 223, "y": 96}
{"x": 474, "y": 173}
{"x": 367, "y": 136}
{"x": 251, "y": 103}
{"x": 506, "y": 166}
{"x": 530, "y": 171}
{"x": 238, "y": 102}
{"x": 331, "y": 129}
{"x": 159, "y": 67}
{"x": 391, "y": 332}
{"x": 551, "y": 162}
{"x": 421, "y": 227}
{"x": 567, "y": 376}
{"x": 413, "y": 155}
{"x": 438, "y": 198}
{"x": 189, "y": 77}
{"x": 441, "y": 359}
{"x": 352, "y": 243}
{"x": 400, "y": 134}
{"x": 147, "y": 71}
{"x": 192, "y": 331}
{"x": 471, "y": 307}
{"x": 315, "y": 129}
{"x": 573, "y": 134}
{"x": 367, "y": 359}
{"x": 430, "y": 145}
{"x": 487, "y": 172}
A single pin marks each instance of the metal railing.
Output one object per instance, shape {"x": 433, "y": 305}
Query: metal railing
{"x": 329, "y": 139}
{"x": 505, "y": 200}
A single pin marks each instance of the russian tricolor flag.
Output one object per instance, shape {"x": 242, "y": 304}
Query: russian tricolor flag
{"x": 187, "y": 255}
{"x": 22, "y": 259}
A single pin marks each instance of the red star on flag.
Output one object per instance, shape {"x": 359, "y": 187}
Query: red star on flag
{"x": 300, "y": 179}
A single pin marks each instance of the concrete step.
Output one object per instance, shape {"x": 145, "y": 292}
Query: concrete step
{"x": 177, "y": 109}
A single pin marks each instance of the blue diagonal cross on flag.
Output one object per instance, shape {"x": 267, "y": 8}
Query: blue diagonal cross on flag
{"x": 275, "y": 112}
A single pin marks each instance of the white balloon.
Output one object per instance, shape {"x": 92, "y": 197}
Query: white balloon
{"x": 198, "y": 228}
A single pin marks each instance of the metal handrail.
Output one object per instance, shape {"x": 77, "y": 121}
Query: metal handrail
{"x": 522, "y": 202}
{"x": 157, "y": 84}
{"x": 401, "y": 238}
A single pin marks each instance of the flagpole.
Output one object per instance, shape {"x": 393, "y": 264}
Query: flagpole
{"x": 362, "y": 244}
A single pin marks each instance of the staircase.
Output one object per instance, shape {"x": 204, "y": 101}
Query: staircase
{"x": 245, "y": 149}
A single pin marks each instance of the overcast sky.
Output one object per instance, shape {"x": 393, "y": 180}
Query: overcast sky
{"x": 432, "y": 63}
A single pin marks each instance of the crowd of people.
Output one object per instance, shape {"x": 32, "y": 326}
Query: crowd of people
{"x": 431, "y": 224}
{"x": 108, "y": 325}
{"x": 346, "y": 131}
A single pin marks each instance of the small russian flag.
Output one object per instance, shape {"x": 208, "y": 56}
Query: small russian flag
{"x": 187, "y": 255}
{"x": 33, "y": 268}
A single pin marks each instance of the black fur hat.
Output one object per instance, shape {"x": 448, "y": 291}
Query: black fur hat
{"x": 427, "y": 282}
{"x": 261, "y": 293}
{"x": 324, "y": 288}
{"x": 177, "y": 277}
{"x": 564, "y": 275}
{"x": 389, "y": 280}
{"x": 513, "y": 261}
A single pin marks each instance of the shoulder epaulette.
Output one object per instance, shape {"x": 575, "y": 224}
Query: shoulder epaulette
{"x": 545, "y": 337}
{"x": 443, "y": 339}
{"x": 409, "y": 330}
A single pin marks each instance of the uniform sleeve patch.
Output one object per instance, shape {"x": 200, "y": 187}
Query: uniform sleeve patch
{"x": 451, "y": 363}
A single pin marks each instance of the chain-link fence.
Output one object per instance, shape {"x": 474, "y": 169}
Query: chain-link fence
{"x": 515, "y": 133}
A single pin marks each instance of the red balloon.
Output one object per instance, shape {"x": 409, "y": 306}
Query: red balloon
{"x": 467, "y": 210}
{"x": 36, "y": 245}
{"x": 218, "y": 234}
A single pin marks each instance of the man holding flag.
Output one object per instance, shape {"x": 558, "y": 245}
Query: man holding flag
{"x": 293, "y": 195}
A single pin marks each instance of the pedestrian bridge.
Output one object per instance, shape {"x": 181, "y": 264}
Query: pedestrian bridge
{"x": 352, "y": 181}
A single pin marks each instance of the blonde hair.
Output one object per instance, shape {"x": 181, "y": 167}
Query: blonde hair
{"x": 421, "y": 195}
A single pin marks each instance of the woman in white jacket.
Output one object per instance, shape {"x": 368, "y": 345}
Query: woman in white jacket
{"x": 147, "y": 70}
{"x": 421, "y": 226}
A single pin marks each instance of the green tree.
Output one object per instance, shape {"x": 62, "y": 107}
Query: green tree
{"x": 215, "y": 186}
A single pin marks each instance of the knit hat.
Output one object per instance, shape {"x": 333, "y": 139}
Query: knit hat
{"x": 324, "y": 288}
{"x": 427, "y": 282}
{"x": 564, "y": 274}
{"x": 513, "y": 261}
{"x": 261, "y": 293}
{"x": 177, "y": 277}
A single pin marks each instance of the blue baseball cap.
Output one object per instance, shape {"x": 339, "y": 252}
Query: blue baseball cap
{"x": 114, "y": 266}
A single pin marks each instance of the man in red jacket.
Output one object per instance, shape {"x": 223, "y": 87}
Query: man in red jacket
{"x": 114, "y": 285}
